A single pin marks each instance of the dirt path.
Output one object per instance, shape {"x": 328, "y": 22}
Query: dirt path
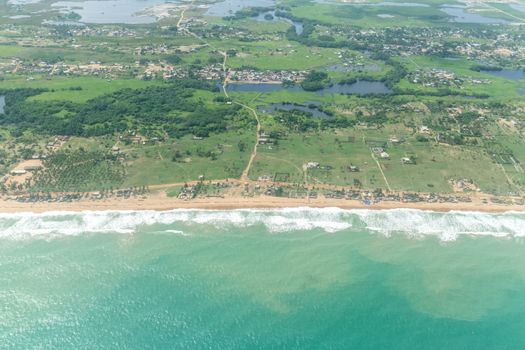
{"x": 382, "y": 172}
{"x": 245, "y": 173}
{"x": 226, "y": 76}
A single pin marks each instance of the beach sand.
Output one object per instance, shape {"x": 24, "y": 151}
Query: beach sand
{"x": 160, "y": 201}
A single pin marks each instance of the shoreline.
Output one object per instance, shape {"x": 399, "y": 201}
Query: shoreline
{"x": 164, "y": 203}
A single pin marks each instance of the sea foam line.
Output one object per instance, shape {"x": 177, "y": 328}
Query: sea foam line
{"x": 447, "y": 226}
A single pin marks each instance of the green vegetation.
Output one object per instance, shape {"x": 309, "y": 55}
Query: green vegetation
{"x": 78, "y": 171}
{"x": 141, "y": 104}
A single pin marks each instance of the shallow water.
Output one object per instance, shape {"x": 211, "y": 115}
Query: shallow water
{"x": 110, "y": 11}
{"x": 229, "y": 7}
{"x": 279, "y": 279}
{"x": 460, "y": 15}
{"x": 512, "y": 74}
{"x": 296, "y": 24}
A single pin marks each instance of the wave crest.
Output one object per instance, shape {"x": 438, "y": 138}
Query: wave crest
{"x": 447, "y": 226}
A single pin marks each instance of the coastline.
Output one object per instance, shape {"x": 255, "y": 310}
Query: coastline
{"x": 161, "y": 202}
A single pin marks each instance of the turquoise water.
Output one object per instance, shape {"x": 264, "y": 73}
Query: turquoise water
{"x": 282, "y": 279}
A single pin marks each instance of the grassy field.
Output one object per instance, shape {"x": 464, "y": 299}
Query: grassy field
{"x": 497, "y": 88}
{"x": 155, "y": 164}
{"x": 436, "y": 164}
{"x": 282, "y": 54}
{"x": 60, "y": 87}
{"x": 371, "y": 16}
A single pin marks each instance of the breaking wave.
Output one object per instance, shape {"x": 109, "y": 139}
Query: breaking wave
{"x": 447, "y": 226}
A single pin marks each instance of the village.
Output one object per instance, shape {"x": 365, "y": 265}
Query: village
{"x": 436, "y": 77}
{"x": 231, "y": 188}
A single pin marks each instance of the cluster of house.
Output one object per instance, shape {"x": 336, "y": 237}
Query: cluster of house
{"x": 188, "y": 192}
{"x": 250, "y": 75}
{"x": 370, "y": 197}
{"x": 365, "y": 196}
{"x": 168, "y": 72}
{"x": 496, "y": 51}
{"x": 222, "y": 32}
{"x": 163, "y": 49}
{"x": 164, "y": 71}
{"x": 436, "y": 77}
{"x": 61, "y": 68}
{"x": 215, "y": 72}
{"x": 408, "y": 41}
{"x": 109, "y": 31}
{"x": 135, "y": 139}
{"x": 265, "y": 139}
{"x": 153, "y": 49}
{"x": 381, "y": 152}
{"x": 56, "y": 142}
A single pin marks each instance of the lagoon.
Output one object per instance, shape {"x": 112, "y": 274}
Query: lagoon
{"x": 229, "y": 7}
{"x": 511, "y": 74}
{"x": 110, "y": 11}
{"x": 460, "y": 15}
{"x": 297, "y": 24}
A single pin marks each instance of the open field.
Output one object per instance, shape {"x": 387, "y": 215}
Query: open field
{"x": 156, "y": 164}
{"x": 435, "y": 164}
{"x": 63, "y": 88}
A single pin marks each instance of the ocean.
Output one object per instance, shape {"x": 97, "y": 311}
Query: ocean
{"x": 262, "y": 279}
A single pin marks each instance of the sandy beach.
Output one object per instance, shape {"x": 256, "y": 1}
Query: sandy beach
{"x": 161, "y": 202}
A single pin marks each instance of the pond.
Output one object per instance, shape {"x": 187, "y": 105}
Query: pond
{"x": 358, "y": 88}
{"x": 511, "y": 74}
{"x": 262, "y": 17}
{"x": 110, "y": 11}
{"x": 459, "y": 15}
{"x": 2, "y": 104}
{"x": 229, "y": 7}
{"x": 313, "y": 109}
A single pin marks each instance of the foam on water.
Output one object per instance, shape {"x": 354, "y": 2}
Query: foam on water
{"x": 447, "y": 226}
